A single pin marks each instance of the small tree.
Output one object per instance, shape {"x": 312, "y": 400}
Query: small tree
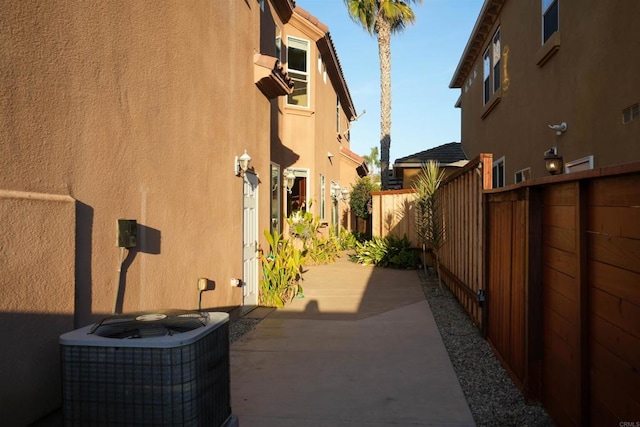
{"x": 360, "y": 196}
{"x": 429, "y": 221}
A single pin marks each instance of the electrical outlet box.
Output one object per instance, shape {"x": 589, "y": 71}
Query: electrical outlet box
{"x": 127, "y": 233}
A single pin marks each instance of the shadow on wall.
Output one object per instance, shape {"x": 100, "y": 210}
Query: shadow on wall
{"x": 149, "y": 241}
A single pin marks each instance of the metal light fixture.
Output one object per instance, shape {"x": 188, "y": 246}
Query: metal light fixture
{"x": 344, "y": 193}
{"x": 241, "y": 164}
{"x": 289, "y": 179}
{"x": 335, "y": 191}
{"x": 552, "y": 161}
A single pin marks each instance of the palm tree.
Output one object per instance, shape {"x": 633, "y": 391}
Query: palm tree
{"x": 373, "y": 161}
{"x": 383, "y": 17}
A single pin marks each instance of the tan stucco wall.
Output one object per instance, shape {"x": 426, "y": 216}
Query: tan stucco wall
{"x": 136, "y": 110}
{"x": 307, "y": 134}
{"x": 587, "y": 83}
{"x": 37, "y": 288}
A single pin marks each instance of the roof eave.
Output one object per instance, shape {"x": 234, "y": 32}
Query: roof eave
{"x": 487, "y": 17}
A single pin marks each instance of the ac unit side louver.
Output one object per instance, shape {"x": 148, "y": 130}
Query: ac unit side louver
{"x": 162, "y": 368}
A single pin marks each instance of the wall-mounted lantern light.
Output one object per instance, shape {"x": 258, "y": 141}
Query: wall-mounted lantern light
{"x": 241, "y": 164}
{"x": 552, "y": 161}
{"x": 289, "y": 179}
{"x": 344, "y": 193}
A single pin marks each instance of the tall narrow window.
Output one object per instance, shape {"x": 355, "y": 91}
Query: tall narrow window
{"x": 279, "y": 44}
{"x": 497, "y": 54}
{"x": 298, "y": 69}
{"x": 337, "y": 115}
{"x": 487, "y": 76}
{"x": 550, "y": 18}
{"x": 276, "y": 190}
{"x": 322, "y": 191}
{"x": 498, "y": 173}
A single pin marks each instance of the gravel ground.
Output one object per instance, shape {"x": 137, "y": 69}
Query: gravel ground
{"x": 239, "y": 327}
{"x": 492, "y": 397}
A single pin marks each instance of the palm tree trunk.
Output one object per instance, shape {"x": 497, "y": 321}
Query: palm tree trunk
{"x": 383, "y": 30}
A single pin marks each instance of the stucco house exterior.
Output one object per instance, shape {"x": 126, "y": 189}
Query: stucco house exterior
{"x": 529, "y": 67}
{"x": 311, "y": 141}
{"x": 141, "y": 110}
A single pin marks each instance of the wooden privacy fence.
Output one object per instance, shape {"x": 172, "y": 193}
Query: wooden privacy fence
{"x": 563, "y": 292}
{"x": 462, "y": 256}
{"x": 559, "y": 261}
{"x": 393, "y": 214}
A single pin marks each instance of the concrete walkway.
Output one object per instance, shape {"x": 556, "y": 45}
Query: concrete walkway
{"x": 360, "y": 349}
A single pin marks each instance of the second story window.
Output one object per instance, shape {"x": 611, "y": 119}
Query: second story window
{"x": 491, "y": 68}
{"x": 550, "y": 18}
{"x": 298, "y": 70}
{"x": 338, "y": 115}
{"x": 486, "y": 58}
{"x": 497, "y": 53}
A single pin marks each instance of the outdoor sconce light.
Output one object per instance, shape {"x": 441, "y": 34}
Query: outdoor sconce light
{"x": 553, "y": 162}
{"x": 289, "y": 179}
{"x": 241, "y": 164}
{"x": 345, "y": 194}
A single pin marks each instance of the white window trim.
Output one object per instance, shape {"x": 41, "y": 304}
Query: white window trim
{"x": 486, "y": 91}
{"x": 307, "y": 73}
{"x": 279, "y": 189}
{"x": 521, "y": 171}
{"x": 574, "y": 163}
{"x": 323, "y": 190}
{"x": 504, "y": 175}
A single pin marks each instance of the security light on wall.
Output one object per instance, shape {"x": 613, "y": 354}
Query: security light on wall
{"x": 560, "y": 129}
{"x": 241, "y": 164}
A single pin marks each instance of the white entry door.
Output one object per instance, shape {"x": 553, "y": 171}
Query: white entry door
{"x": 250, "y": 242}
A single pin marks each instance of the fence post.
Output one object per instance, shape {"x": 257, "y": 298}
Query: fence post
{"x": 533, "y": 379}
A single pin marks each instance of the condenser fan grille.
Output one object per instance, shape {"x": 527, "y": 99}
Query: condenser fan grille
{"x": 150, "y": 324}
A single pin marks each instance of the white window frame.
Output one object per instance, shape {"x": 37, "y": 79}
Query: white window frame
{"x": 496, "y": 167}
{"x": 523, "y": 174}
{"x": 546, "y": 5}
{"x": 306, "y": 73}
{"x": 323, "y": 190}
{"x": 276, "y": 188}
{"x": 579, "y": 162}
{"x": 278, "y": 43}
{"x": 496, "y": 56}
{"x": 486, "y": 80}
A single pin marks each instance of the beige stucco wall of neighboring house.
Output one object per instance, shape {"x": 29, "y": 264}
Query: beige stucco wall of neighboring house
{"x": 587, "y": 83}
{"x": 133, "y": 110}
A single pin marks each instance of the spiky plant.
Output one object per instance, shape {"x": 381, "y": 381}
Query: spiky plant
{"x": 429, "y": 221}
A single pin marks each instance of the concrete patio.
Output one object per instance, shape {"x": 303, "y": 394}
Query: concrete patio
{"x": 360, "y": 349}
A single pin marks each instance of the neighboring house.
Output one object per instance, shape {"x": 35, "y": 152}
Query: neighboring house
{"x": 450, "y": 158}
{"x": 310, "y": 142}
{"x": 531, "y": 64}
{"x": 139, "y": 110}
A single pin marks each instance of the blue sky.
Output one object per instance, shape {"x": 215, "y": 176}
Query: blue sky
{"x": 424, "y": 58}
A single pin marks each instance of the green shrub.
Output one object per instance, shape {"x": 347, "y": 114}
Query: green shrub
{"x": 390, "y": 251}
{"x": 316, "y": 248}
{"x": 281, "y": 272}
